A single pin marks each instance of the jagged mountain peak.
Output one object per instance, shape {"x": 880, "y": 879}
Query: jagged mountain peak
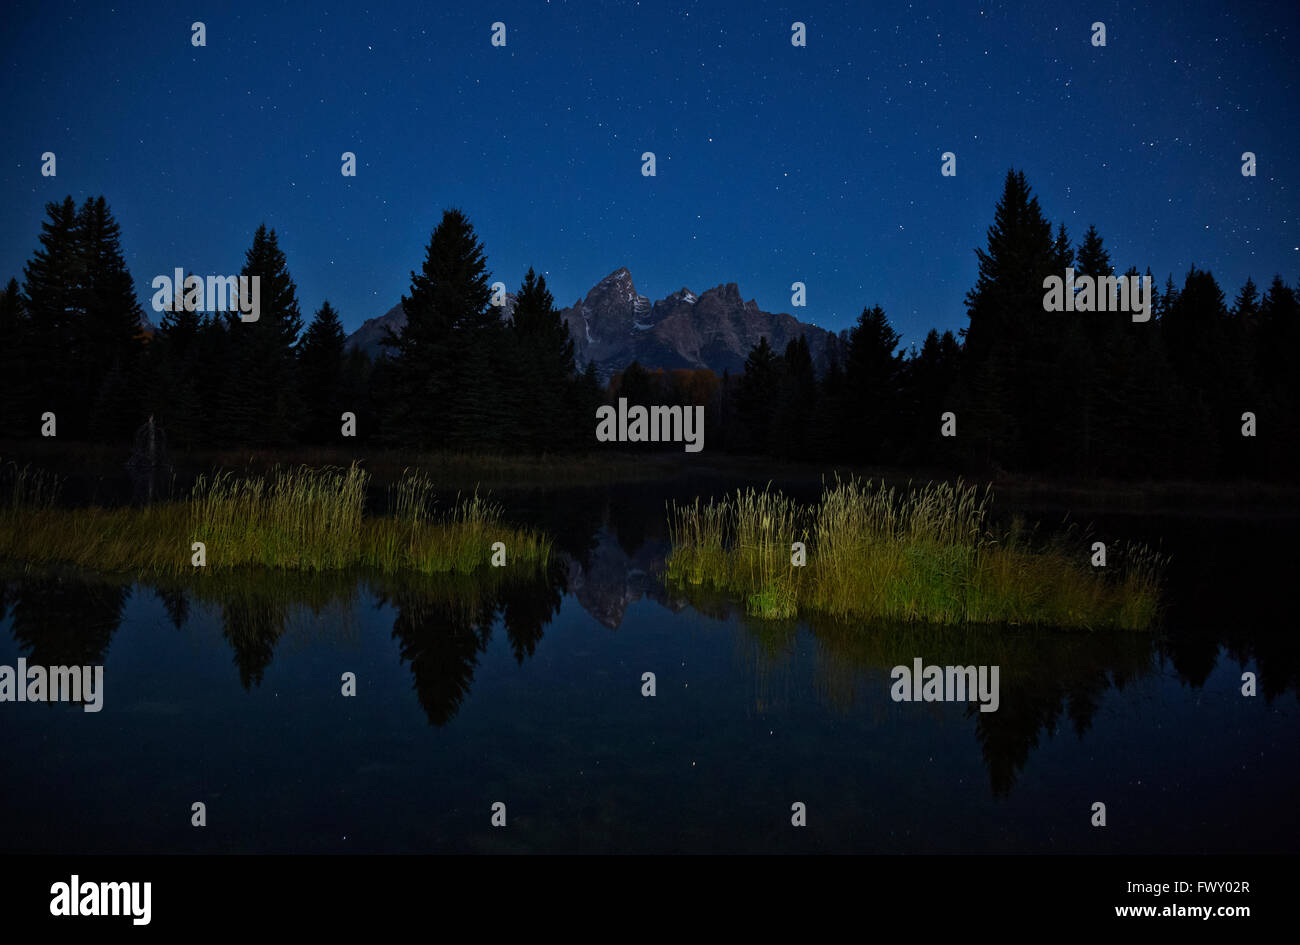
{"x": 617, "y": 283}
{"x": 621, "y": 274}
{"x": 614, "y": 325}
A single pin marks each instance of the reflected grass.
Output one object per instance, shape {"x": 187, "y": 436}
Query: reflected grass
{"x": 922, "y": 554}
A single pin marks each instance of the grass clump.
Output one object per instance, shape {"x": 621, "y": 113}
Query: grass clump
{"x": 924, "y": 554}
{"x": 299, "y": 519}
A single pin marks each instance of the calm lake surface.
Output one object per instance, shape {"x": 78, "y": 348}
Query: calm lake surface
{"x": 472, "y": 692}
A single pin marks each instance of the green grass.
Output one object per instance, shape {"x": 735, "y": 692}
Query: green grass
{"x": 923, "y": 554}
{"x": 298, "y": 519}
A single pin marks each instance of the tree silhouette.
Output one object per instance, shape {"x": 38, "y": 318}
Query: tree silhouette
{"x": 543, "y": 350}
{"x": 321, "y": 373}
{"x": 439, "y": 361}
{"x": 260, "y": 401}
{"x": 53, "y": 301}
{"x": 18, "y": 416}
{"x": 756, "y": 396}
{"x": 872, "y": 378}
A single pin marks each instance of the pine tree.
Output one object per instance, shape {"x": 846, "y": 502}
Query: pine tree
{"x": 586, "y": 395}
{"x": 478, "y": 414}
{"x": 174, "y": 397}
{"x": 873, "y": 368}
{"x": 1168, "y": 297}
{"x": 1279, "y": 333}
{"x": 1013, "y": 354}
{"x": 1008, "y": 293}
{"x": 1277, "y": 341}
{"x": 434, "y": 391}
{"x": 321, "y": 375}
{"x": 53, "y": 299}
{"x": 795, "y": 402}
{"x": 112, "y": 366}
{"x": 1062, "y": 251}
{"x": 1196, "y": 335}
{"x": 1246, "y": 307}
{"x": 1091, "y": 367}
{"x": 545, "y": 370}
{"x": 1093, "y": 259}
{"x": 1193, "y": 326}
{"x": 828, "y": 425}
{"x": 756, "y": 397}
{"x": 357, "y": 391}
{"x": 17, "y": 417}
{"x": 930, "y": 375}
{"x": 261, "y": 404}
{"x": 214, "y": 360}
{"x": 1116, "y": 398}
{"x": 84, "y": 343}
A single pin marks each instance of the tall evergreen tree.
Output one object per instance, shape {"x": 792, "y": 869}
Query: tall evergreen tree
{"x": 261, "y": 403}
{"x": 873, "y": 368}
{"x": 1196, "y": 335}
{"x": 321, "y": 375}
{"x": 1117, "y": 398}
{"x": 1062, "y": 251}
{"x": 1095, "y": 369}
{"x": 1093, "y": 258}
{"x": 1011, "y": 386}
{"x": 756, "y": 397}
{"x": 1169, "y": 296}
{"x": 1008, "y": 293}
{"x": 53, "y": 300}
{"x": 587, "y": 394}
{"x": 17, "y": 416}
{"x": 175, "y": 397}
{"x": 357, "y": 391}
{"x": 83, "y": 334}
{"x": 828, "y": 427}
{"x": 931, "y": 376}
{"x": 437, "y": 389}
{"x": 113, "y": 349}
{"x": 795, "y": 402}
{"x": 1277, "y": 341}
{"x": 544, "y": 354}
{"x": 1246, "y": 307}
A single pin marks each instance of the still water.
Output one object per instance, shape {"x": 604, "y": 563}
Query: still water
{"x": 472, "y": 692}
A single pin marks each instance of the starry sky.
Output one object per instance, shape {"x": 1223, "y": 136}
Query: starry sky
{"x": 775, "y": 164}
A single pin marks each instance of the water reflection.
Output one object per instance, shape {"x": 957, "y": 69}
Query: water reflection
{"x": 63, "y": 621}
{"x": 443, "y": 625}
{"x": 609, "y": 558}
{"x": 1046, "y": 679}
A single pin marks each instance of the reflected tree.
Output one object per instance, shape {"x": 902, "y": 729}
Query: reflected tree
{"x": 63, "y": 622}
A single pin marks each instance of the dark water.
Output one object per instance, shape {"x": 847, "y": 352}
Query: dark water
{"x": 471, "y": 692}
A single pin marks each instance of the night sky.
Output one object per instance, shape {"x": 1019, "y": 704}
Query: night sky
{"x": 775, "y": 163}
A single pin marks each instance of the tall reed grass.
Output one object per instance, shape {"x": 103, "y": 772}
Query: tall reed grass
{"x": 920, "y": 554}
{"x": 299, "y": 519}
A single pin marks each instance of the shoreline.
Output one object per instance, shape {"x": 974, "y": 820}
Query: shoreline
{"x": 88, "y": 465}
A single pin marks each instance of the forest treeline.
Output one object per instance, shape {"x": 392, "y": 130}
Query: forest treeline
{"x": 1075, "y": 393}
{"x": 459, "y": 377}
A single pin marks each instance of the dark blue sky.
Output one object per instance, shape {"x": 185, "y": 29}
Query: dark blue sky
{"x": 775, "y": 163}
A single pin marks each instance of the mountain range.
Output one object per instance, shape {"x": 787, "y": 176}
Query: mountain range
{"x": 614, "y": 325}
